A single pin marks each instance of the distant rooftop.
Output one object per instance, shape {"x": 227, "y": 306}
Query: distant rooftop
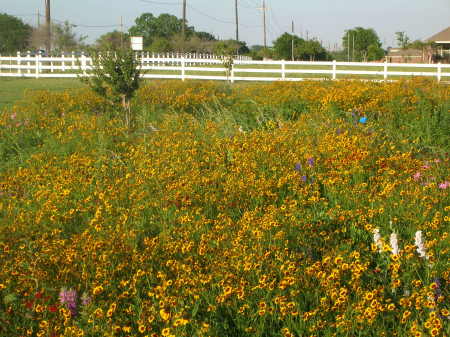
{"x": 443, "y": 36}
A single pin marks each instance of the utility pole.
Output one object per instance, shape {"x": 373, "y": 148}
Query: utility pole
{"x": 264, "y": 22}
{"x": 237, "y": 19}
{"x": 183, "y": 29}
{"x": 121, "y": 32}
{"x": 49, "y": 28}
{"x": 292, "y": 47}
{"x": 353, "y": 47}
{"x": 348, "y": 46}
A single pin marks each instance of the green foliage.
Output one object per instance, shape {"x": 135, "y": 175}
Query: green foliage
{"x": 402, "y": 39}
{"x": 112, "y": 41}
{"x": 115, "y": 76}
{"x": 283, "y": 45}
{"x": 14, "y": 34}
{"x": 303, "y": 49}
{"x": 65, "y": 39}
{"x": 160, "y": 45}
{"x": 152, "y": 27}
{"x": 363, "y": 43}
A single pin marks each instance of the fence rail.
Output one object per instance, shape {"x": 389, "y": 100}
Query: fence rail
{"x": 209, "y": 67}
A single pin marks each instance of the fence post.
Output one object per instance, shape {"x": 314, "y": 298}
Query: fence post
{"x": 83, "y": 63}
{"x": 385, "y": 71}
{"x": 73, "y": 60}
{"x": 334, "y": 69}
{"x": 439, "y": 71}
{"x": 232, "y": 73}
{"x": 283, "y": 69}
{"x": 36, "y": 63}
{"x": 63, "y": 63}
{"x": 183, "y": 68}
{"x": 19, "y": 63}
{"x": 28, "y": 62}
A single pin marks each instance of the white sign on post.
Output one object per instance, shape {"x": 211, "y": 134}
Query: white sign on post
{"x": 137, "y": 43}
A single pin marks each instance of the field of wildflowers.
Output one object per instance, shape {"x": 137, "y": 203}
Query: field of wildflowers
{"x": 283, "y": 209}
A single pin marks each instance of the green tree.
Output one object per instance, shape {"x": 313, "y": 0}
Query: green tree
{"x": 283, "y": 46}
{"x": 65, "y": 39}
{"x": 112, "y": 41}
{"x": 358, "y": 40}
{"x": 116, "y": 76}
{"x": 402, "y": 39}
{"x": 205, "y": 36}
{"x": 14, "y": 34}
{"x": 163, "y": 26}
{"x": 160, "y": 45}
{"x": 310, "y": 50}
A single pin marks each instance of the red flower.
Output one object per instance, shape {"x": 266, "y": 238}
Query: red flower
{"x": 29, "y": 304}
{"x": 38, "y": 295}
{"x": 53, "y": 308}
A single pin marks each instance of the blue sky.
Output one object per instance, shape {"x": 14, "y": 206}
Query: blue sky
{"x": 325, "y": 19}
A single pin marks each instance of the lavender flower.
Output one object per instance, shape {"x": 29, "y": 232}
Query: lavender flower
{"x": 304, "y": 179}
{"x": 85, "y": 299}
{"x": 69, "y": 298}
{"x": 298, "y": 167}
{"x": 444, "y": 185}
{"x": 311, "y": 162}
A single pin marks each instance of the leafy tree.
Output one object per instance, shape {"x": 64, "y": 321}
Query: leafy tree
{"x": 311, "y": 50}
{"x": 305, "y": 50}
{"x": 160, "y": 45}
{"x": 402, "y": 39}
{"x": 360, "y": 40}
{"x": 112, "y": 41}
{"x": 283, "y": 45}
{"x": 116, "y": 76}
{"x": 374, "y": 52}
{"x": 205, "y": 36}
{"x": 64, "y": 39}
{"x": 14, "y": 34}
{"x": 163, "y": 26}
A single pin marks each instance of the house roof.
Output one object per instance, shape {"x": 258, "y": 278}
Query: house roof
{"x": 443, "y": 36}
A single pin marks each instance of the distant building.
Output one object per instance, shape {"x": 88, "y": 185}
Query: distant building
{"x": 440, "y": 52}
{"x": 442, "y": 41}
{"x": 400, "y": 55}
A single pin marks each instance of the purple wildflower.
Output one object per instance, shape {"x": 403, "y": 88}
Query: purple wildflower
{"x": 444, "y": 185}
{"x": 311, "y": 162}
{"x": 304, "y": 178}
{"x": 298, "y": 167}
{"x": 69, "y": 298}
{"x": 85, "y": 299}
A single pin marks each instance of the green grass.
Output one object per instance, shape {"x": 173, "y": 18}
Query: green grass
{"x": 12, "y": 89}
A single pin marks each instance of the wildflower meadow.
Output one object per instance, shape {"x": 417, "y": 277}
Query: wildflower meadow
{"x": 282, "y": 209}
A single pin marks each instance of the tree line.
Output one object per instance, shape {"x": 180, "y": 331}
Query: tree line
{"x": 163, "y": 33}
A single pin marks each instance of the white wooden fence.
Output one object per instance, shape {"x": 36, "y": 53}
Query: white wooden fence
{"x": 176, "y": 66}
